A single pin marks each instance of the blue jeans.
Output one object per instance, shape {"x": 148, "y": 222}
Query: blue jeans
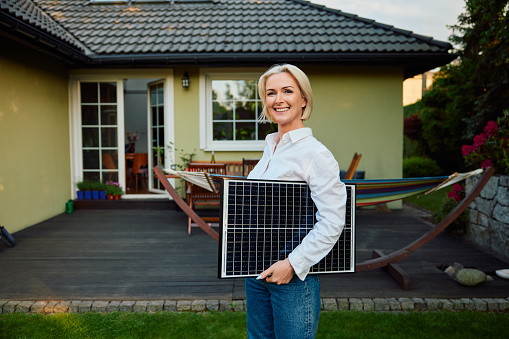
{"x": 283, "y": 311}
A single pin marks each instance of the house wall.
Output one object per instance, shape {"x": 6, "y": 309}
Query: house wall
{"x": 34, "y": 136}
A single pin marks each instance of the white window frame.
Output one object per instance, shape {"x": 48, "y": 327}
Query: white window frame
{"x": 207, "y": 143}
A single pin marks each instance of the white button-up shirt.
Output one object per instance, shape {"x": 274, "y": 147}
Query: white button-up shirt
{"x": 300, "y": 157}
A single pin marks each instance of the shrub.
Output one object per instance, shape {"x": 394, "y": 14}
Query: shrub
{"x": 420, "y": 167}
{"x": 459, "y": 225}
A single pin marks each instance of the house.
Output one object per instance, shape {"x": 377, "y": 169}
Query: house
{"x": 77, "y": 75}
{"x": 414, "y": 88}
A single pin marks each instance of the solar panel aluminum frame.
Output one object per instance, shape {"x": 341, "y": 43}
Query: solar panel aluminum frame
{"x": 238, "y": 234}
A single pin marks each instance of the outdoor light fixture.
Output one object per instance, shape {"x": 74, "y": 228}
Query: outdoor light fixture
{"x": 185, "y": 80}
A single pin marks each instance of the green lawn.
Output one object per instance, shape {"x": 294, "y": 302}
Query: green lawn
{"x": 431, "y": 202}
{"x": 337, "y": 324}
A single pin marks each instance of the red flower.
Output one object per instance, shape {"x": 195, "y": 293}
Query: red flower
{"x": 491, "y": 128}
{"x": 479, "y": 140}
{"x": 486, "y": 163}
{"x": 454, "y": 195}
{"x": 457, "y": 188}
{"x": 466, "y": 150}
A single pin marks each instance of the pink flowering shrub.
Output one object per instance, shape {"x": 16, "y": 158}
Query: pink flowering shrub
{"x": 457, "y": 193}
{"x": 491, "y": 147}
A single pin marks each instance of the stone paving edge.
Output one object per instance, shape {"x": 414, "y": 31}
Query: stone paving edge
{"x": 198, "y": 306}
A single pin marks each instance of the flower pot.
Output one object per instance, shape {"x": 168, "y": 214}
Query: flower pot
{"x": 102, "y": 195}
{"x": 117, "y": 196}
{"x": 81, "y": 195}
{"x": 88, "y": 195}
{"x": 95, "y": 195}
{"x": 111, "y": 197}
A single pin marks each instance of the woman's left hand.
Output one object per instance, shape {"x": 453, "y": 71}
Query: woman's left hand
{"x": 280, "y": 272}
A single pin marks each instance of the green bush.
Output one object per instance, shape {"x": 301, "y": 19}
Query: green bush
{"x": 420, "y": 167}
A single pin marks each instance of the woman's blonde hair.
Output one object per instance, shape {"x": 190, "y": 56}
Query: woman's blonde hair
{"x": 302, "y": 81}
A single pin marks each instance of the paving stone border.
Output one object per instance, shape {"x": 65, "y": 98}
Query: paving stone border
{"x": 198, "y": 306}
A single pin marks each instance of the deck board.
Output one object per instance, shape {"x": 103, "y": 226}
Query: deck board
{"x": 146, "y": 254}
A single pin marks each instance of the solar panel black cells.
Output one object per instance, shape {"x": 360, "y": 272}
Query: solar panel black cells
{"x": 262, "y": 221}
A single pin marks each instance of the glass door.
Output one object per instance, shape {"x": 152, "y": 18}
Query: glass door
{"x": 156, "y": 135}
{"x": 100, "y": 132}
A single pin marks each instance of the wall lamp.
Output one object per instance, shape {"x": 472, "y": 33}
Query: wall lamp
{"x": 185, "y": 80}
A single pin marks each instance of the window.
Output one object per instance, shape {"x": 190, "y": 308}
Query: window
{"x": 233, "y": 107}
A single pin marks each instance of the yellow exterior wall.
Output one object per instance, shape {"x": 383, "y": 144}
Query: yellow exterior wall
{"x": 34, "y": 137}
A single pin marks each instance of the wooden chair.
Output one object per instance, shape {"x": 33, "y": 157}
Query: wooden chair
{"x": 353, "y": 166}
{"x": 199, "y": 196}
{"x": 140, "y": 160}
{"x": 108, "y": 163}
{"x": 248, "y": 165}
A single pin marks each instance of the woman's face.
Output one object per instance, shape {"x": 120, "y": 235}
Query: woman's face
{"x": 284, "y": 101}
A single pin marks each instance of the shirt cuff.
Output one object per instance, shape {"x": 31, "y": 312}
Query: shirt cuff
{"x": 300, "y": 270}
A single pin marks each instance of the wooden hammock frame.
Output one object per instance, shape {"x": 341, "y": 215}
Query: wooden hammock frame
{"x": 380, "y": 260}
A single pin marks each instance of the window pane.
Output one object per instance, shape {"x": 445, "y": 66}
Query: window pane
{"x": 154, "y": 116}
{"x": 90, "y": 137}
{"x": 246, "y": 89}
{"x": 154, "y": 137}
{"x": 108, "y": 92}
{"x": 246, "y": 110}
{"x": 265, "y": 129}
{"x": 160, "y": 94}
{"x": 223, "y": 130}
{"x": 161, "y": 115}
{"x": 110, "y": 159}
{"x": 89, "y": 115}
{"x": 108, "y": 115}
{"x": 88, "y": 91}
{"x": 245, "y": 131}
{"x": 161, "y": 136}
{"x": 109, "y": 137}
{"x": 90, "y": 159}
{"x": 153, "y": 95}
{"x": 110, "y": 176}
{"x": 222, "y": 110}
{"x": 91, "y": 176}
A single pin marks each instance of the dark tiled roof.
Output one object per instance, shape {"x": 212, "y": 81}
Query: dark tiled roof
{"x": 224, "y": 32}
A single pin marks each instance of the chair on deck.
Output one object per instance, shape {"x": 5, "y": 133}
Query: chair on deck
{"x": 199, "y": 196}
{"x": 353, "y": 166}
{"x": 140, "y": 168}
{"x": 248, "y": 165}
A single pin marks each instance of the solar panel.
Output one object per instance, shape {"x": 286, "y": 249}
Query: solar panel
{"x": 262, "y": 221}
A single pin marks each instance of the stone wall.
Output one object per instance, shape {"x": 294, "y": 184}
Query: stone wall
{"x": 489, "y": 216}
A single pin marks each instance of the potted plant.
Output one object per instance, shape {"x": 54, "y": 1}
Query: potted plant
{"x": 85, "y": 189}
{"x": 113, "y": 190}
{"x": 98, "y": 190}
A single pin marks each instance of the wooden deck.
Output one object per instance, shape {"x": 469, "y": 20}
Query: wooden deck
{"x": 147, "y": 255}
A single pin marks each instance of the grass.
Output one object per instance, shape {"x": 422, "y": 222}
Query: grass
{"x": 431, "y": 202}
{"x": 337, "y": 324}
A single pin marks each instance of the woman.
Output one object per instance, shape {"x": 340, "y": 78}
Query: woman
{"x": 284, "y": 301}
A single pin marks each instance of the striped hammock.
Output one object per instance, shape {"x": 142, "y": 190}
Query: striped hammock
{"x": 368, "y": 191}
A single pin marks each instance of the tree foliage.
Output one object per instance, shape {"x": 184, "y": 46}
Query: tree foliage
{"x": 472, "y": 91}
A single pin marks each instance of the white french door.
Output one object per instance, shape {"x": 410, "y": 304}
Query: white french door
{"x": 157, "y": 139}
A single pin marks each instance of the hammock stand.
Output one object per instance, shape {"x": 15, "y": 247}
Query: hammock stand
{"x": 380, "y": 260}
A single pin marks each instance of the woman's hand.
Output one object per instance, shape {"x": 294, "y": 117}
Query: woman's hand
{"x": 280, "y": 272}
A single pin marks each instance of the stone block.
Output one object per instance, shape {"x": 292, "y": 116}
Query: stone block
{"x": 503, "y": 304}
{"x": 198, "y": 305}
{"x": 381, "y": 304}
{"x": 225, "y": 305}
{"x": 140, "y": 306}
{"x": 184, "y": 305}
{"x": 343, "y": 304}
{"x": 24, "y": 307}
{"x": 503, "y": 196}
{"x": 503, "y": 181}
{"x": 113, "y": 306}
{"x": 356, "y": 304}
{"x": 491, "y": 304}
{"x": 407, "y": 304}
{"x": 457, "y": 304}
{"x": 99, "y": 306}
{"x": 446, "y": 305}
{"x": 10, "y": 306}
{"x": 480, "y": 304}
{"x": 37, "y": 307}
{"x": 170, "y": 306}
{"x": 433, "y": 304}
{"x": 483, "y": 220}
{"x": 155, "y": 306}
{"x": 61, "y": 307}
{"x": 501, "y": 213}
{"x": 212, "y": 305}
{"x": 420, "y": 304}
{"x": 126, "y": 306}
{"x": 485, "y": 206}
{"x": 394, "y": 305}
{"x": 50, "y": 307}
{"x": 73, "y": 307}
{"x": 330, "y": 304}
{"x": 468, "y": 304}
{"x": 84, "y": 306}
{"x": 239, "y": 305}
{"x": 368, "y": 305}
{"x": 491, "y": 189}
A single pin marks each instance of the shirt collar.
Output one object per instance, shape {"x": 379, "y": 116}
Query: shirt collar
{"x": 295, "y": 135}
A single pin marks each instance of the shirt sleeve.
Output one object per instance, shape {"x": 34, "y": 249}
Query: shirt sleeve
{"x": 329, "y": 196}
